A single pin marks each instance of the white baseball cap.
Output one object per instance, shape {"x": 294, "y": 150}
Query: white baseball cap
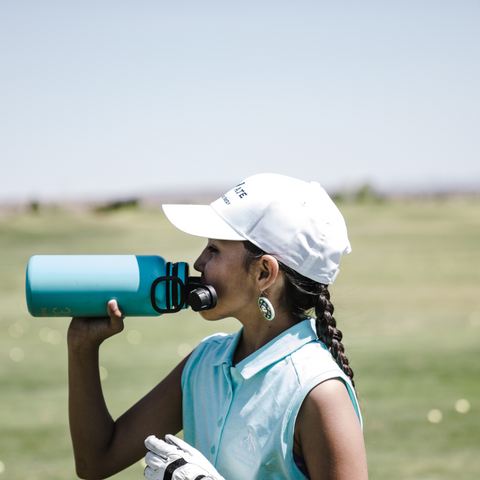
{"x": 295, "y": 221}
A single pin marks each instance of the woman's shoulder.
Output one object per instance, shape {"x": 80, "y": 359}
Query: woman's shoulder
{"x": 216, "y": 348}
{"x": 314, "y": 360}
{"x": 212, "y": 351}
{"x": 216, "y": 340}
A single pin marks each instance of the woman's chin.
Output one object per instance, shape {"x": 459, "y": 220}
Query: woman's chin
{"x": 211, "y": 315}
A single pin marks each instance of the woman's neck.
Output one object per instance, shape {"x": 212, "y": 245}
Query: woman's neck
{"x": 258, "y": 331}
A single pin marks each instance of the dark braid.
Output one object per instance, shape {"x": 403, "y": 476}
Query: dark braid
{"x": 302, "y": 296}
{"x": 328, "y": 332}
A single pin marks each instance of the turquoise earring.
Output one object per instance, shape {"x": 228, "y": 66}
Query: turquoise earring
{"x": 266, "y": 307}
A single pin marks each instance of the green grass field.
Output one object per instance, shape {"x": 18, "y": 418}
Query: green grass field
{"x": 407, "y": 300}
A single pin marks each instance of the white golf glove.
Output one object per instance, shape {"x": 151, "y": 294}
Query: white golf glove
{"x": 175, "y": 459}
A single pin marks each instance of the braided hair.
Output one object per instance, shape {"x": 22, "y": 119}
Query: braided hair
{"x": 302, "y": 297}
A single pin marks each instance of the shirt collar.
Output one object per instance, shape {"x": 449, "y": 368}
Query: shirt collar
{"x": 281, "y": 346}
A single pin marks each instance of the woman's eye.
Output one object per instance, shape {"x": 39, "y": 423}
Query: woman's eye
{"x": 212, "y": 248}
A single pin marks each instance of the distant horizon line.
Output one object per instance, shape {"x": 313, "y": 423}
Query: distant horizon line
{"x": 209, "y": 194}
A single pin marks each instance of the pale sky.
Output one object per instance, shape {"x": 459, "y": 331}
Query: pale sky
{"x": 113, "y": 98}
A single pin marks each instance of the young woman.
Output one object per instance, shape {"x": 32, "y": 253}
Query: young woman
{"x": 275, "y": 400}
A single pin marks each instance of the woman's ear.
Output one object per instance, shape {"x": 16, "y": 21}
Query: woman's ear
{"x": 266, "y": 272}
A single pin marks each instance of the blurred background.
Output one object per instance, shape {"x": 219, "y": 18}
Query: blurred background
{"x": 109, "y": 108}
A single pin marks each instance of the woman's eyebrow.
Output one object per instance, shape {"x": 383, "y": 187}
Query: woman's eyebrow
{"x": 218, "y": 242}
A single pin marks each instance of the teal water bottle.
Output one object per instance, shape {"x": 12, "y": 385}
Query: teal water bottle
{"x": 82, "y": 285}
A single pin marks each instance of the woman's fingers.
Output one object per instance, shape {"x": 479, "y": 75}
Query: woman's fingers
{"x": 116, "y": 317}
{"x": 113, "y": 310}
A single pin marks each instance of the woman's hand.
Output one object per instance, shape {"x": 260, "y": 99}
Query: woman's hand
{"x": 89, "y": 333}
{"x": 176, "y": 459}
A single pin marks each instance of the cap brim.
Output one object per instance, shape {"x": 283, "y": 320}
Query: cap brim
{"x": 201, "y": 221}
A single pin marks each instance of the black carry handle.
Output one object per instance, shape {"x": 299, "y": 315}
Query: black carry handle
{"x": 175, "y": 308}
{"x": 200, "y": 297}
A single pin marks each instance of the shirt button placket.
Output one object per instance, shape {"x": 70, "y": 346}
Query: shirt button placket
{"x": 220, "y": 422}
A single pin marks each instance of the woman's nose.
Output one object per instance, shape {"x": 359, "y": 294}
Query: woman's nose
{"x": 200, "y": 262}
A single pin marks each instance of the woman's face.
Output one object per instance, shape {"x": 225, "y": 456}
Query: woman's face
{"x": 221, "y": 265}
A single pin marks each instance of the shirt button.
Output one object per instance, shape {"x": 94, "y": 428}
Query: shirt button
{"x": 220, "y": 422}
{"x": 213, "y": 449}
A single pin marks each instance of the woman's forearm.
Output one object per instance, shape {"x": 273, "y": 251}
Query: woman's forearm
{"x": 102, "y": 446}
{"x": 91, "y": 425}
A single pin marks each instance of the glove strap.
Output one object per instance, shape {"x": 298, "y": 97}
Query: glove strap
{"x": 172, "y": 467}
{"x": 177, "y": 464}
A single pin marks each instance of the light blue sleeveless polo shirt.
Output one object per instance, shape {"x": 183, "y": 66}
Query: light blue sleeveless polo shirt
{"x": 242, "y": 417}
